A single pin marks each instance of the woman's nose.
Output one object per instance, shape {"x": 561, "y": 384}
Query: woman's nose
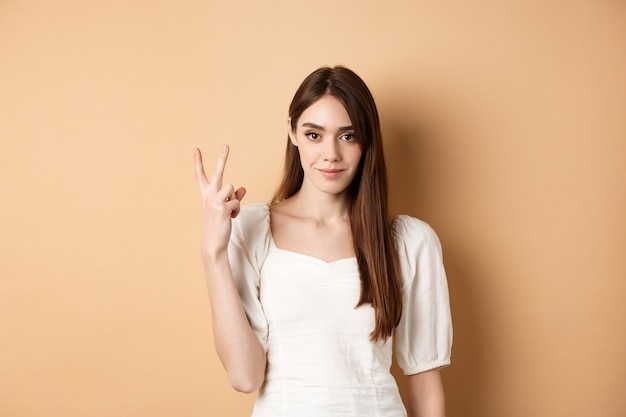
{"x": 331, "y": 150}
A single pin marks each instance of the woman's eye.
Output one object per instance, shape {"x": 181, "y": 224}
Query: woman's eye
{"x": 312, "y": 135}
{"x": 348, "y": 137}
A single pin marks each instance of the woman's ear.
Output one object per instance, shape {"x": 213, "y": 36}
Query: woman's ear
{"x": 291, "y": 133}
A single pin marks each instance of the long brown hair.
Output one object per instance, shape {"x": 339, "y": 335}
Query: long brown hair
{"x": 369, "y": 214}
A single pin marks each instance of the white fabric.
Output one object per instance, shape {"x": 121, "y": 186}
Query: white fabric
{"x": 321, "y": 362}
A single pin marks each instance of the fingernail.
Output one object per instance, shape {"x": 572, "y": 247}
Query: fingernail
{"x": 224, "y": 148}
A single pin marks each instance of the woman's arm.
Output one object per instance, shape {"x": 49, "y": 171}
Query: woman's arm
{"x": 426, "y": 397}
{"x": 237, "y": 345}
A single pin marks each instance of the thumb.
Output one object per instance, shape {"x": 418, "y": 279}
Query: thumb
{"x": 240, "y": 193}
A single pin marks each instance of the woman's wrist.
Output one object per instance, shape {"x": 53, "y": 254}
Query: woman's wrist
{"x": 214, "y": 256}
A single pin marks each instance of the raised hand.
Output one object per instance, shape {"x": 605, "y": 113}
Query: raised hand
{"x": 220, "y": 204}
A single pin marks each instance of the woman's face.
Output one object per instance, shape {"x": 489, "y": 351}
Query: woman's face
{"x": 329, "y": 152}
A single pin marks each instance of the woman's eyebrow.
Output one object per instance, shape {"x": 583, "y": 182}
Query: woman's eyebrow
{"x": 315, "y": 126}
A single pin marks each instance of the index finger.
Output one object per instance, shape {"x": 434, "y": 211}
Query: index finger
{"x": 218, "y": 173}
{"x": 199, "y": 168}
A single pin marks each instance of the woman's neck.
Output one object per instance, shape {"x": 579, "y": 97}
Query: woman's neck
{"x": 319, "y": 206}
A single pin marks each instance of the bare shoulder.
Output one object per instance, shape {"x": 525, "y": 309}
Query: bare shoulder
{"x": 282, "y": 214}
{"x": 281, "y": 208}
{"x": 286, "y": 220}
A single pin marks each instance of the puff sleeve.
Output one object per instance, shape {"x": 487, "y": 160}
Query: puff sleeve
{"x": 423, "y": 338}
{"x": 248, "y": 246}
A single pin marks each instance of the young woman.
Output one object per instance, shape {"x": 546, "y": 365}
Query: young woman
{"x": 308, "y": 292}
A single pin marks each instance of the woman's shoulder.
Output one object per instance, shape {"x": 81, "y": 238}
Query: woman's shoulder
{"x": 415, "y": 239}
{"x": 419, "y": 251}
{"x": 408, "y": 229}
{"x": 252, "y": 224}
{"x": 254, "y": 212}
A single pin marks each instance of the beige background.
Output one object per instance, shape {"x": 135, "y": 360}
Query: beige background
{"x": 505, "y": 124}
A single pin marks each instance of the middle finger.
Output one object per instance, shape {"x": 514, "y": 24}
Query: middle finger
{"x": 218, "y": 173}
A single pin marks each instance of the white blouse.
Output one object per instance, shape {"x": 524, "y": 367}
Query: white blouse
{"x": 321, "y": 362}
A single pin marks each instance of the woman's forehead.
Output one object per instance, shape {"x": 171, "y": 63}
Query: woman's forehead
{"x": 326, "y": 112}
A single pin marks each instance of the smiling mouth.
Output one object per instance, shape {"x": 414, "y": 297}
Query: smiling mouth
{"x": 331, "y": 173}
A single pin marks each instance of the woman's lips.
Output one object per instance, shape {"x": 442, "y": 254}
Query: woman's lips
{"x": 331, "y": 173}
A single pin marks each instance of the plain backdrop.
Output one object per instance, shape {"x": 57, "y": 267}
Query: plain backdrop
{"x": 505, "y": 129}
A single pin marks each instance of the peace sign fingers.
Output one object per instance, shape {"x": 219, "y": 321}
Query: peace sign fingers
{"x": 220, "y": 203}
{"x": 218, "y": 173}
{"x": 203, "y": 182}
